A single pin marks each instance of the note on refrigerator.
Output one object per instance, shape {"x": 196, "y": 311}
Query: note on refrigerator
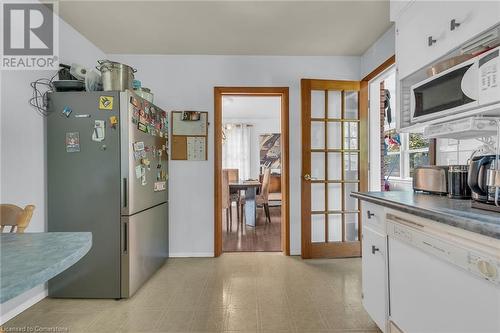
{"x": 196, "y": 148}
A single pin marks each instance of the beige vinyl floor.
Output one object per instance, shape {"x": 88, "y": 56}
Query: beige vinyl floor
{"x": 240, "y": 292}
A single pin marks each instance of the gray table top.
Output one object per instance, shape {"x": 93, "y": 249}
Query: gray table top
{"x": 454, "y": 212}
{"x": 30, "y": 259}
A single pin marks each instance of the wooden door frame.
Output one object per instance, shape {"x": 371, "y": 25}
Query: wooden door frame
{"x": 282, "y": 92}
{"x": 345, "y": 248}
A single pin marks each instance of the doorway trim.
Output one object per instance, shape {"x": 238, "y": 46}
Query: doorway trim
{"x": 282, "y": 92}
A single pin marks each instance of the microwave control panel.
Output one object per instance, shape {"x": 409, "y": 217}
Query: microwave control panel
{"x": 489, "y": 87}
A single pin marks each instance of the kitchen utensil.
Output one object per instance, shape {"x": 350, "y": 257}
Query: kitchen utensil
{"x": 64, "y": 72}
{"x": 478, "y": 176}
{"x": 457, "y": 182}
{"x": 115, "y": 76}
{"x": 431, "y": 179}
{"x": 69, "y": 85}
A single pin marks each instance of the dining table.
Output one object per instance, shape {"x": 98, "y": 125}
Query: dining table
{"x": 250, "y": 189}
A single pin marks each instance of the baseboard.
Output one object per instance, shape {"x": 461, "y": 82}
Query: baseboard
{"x": 15, "y": 306}
{"x": 191, "y": 255}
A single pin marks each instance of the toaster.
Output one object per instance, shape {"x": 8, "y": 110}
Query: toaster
{"x": 431, "y": 179}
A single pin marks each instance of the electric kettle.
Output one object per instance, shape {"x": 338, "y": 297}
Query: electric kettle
{"x": 477, "y": 178}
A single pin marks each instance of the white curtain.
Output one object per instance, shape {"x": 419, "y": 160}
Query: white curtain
{"x": 236, "y": 148}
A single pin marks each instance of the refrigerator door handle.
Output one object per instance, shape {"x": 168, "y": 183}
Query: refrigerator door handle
{"x": 124, "y": 191}
{"x": 125, "y": 237}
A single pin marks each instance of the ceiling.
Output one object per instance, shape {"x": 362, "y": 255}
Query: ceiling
{"x": 229, "y": 27}
{"x": 251, "y": 107}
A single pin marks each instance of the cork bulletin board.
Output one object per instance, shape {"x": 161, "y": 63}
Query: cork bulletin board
{"x": 189, "y": 135}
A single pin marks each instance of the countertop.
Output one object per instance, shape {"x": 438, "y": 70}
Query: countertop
{"x": 30, "y": 259}
{"x": 454, "y": 212}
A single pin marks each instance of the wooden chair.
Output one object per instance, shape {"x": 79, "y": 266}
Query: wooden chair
{"x": 15, "y": 217}
{"x": 234, "y": 195}
{"x": 263, "y": 198}
{"x": 226, "y": 199}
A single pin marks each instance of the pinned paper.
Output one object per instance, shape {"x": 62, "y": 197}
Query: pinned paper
{"x": 106, "y": 102}
{"x": 99, "y": 130}
{"x": 138, "y": 171}
{"x": 160, "y": 186}
{"x": 142, "y": 127}
{"x": 138, "y": 146}
{"x": 72, "y": 142}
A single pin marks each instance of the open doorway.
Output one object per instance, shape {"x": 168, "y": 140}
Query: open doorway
{"x": 251, "y": 170}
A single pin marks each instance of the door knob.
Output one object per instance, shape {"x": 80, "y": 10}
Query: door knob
{"x": 307, "y": 177}
{"x": 374, "y": 249}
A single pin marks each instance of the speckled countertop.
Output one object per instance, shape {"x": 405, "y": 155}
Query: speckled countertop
{"x": 454, "y": 212}
{"x": 30, "y": 259}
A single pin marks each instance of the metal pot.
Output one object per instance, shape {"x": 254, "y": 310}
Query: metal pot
{"x": 115, "y": 76}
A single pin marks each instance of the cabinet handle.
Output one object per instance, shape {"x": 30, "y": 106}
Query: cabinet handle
{"x": 431, "y": 41}
{"x": 374, "y": 249}
{"x": 369, "y": 214}
{"x": 454, "y": 24}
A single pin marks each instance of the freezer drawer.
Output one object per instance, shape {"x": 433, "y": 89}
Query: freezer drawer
{"x": 144, "y": 247}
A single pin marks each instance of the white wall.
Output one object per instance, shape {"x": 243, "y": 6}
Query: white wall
{"x": 187, "y": 82}
{"x": 380, "y": 51}
{"x": 264, "y": 118}
{"x": 23, "y": 172}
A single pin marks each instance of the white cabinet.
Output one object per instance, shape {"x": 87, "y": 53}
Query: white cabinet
{"x": 422, "y": 20}
{"x": 374, "y": 276}
{"x": 373, "y": 216}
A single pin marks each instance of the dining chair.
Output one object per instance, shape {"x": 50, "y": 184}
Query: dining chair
{"x": 226, "y": 200}
{"x": 15, "y": 217}
{"x": 234, "y": 194}
{"x": 262, "y": 198}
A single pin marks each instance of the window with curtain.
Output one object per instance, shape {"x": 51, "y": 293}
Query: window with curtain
{"x": 236, "y": 148}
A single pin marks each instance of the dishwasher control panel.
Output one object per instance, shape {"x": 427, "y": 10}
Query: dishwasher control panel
{"x": 466, "y": 258}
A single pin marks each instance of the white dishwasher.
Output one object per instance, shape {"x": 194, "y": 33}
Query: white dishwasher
{"x": 437, "y": 285}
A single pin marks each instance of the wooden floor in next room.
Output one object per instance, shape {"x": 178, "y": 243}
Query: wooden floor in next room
{"x": 264, "y": 236}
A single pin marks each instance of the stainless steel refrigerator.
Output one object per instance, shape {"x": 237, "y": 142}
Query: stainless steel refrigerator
{"x": 107, "y": 173}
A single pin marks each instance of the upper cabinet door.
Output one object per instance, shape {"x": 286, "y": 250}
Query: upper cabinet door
{"x": 424, "y": 32}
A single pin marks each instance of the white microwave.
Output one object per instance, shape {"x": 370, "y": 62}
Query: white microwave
{"x": 469, "y": 85}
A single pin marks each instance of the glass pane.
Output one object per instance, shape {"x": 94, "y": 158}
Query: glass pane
{"x": 417, "y": 141}
{"x": 318, "y": 228}
{"x": 334, "y": 104}
{"x": 317, "y": 104}
{"x": 334, "y": 135}
{"x": 317, "y": 197}
{"x": 392, "y": 165}
{"x": 418, "y": 159}
{"x": 349, "y": 202}
{"x": 351, "y": 227}
{"x": 334, "y": 166}
{"x": 351, "y": 105}
{"x": 351, "y": 135}
{"x": 334, "y": 196}
{"x": 334, "y": 228}
{"x": 317, "y": 135}
{"x": 351, "y": 166}
{"x": 318, "y": 166}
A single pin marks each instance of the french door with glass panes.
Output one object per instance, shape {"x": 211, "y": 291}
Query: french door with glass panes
{"x": 331, "y": 125}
